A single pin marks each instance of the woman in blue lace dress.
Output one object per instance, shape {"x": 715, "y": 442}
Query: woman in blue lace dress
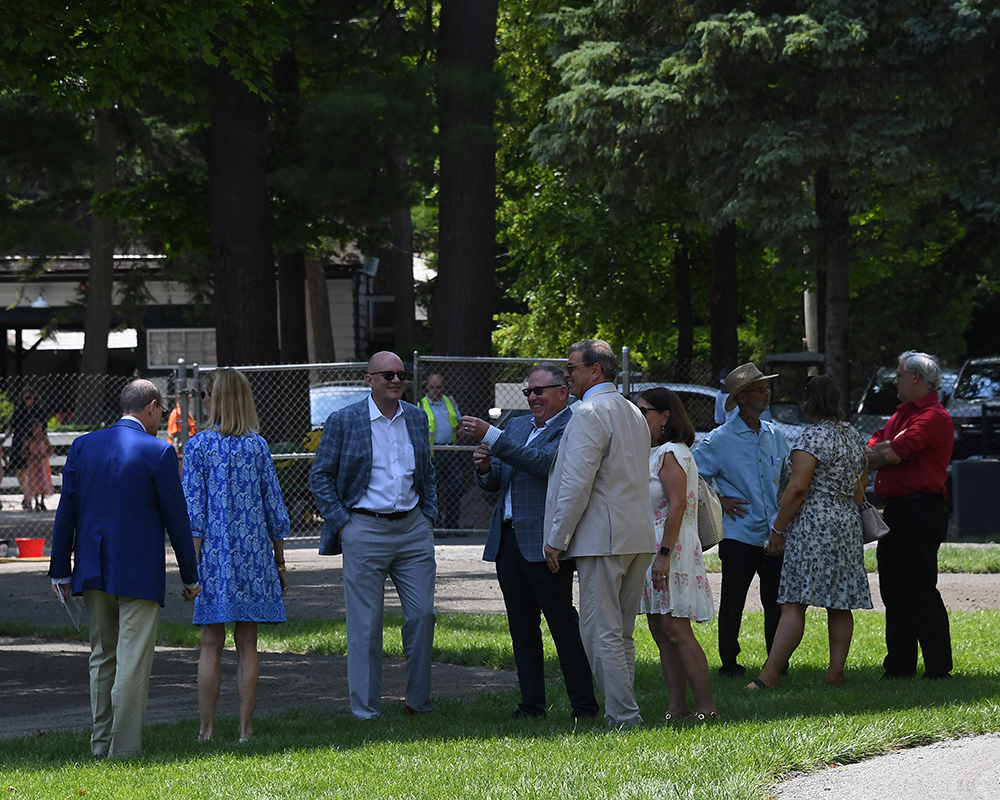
{"x": 818, "y": 528}
{"x": 239, "y": 519}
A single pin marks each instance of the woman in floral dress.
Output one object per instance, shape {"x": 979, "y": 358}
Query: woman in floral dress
{"x": 239, "y": 519}
{"x": 677, "y": 589}
{"x": 819, "y": 529}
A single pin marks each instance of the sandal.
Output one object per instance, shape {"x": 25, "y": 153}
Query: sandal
{"x": 668, "y": 717}
{"x": 711, "y": 716}
{"x": 756, "y": 685}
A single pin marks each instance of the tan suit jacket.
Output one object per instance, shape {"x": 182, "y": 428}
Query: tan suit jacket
{"x": 598, "y": 498}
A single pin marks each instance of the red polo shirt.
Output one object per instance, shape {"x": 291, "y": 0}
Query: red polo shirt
{"x": 922, "y": 435}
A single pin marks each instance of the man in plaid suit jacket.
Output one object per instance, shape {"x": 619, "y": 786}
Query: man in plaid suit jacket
{"x": 517, "y": 462}
{"x": 373, "y": 481}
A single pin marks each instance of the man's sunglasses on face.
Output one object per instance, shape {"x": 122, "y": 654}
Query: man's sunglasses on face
{"x": 537, "y": 390}
{"x": 388, "y": 375}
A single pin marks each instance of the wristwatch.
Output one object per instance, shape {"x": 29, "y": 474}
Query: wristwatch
{"x": 665, "y": 551}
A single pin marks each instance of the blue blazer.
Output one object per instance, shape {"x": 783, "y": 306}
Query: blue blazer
{"x": 343, "y": 465}
{"x": 525, "y": 469}
{"x": 121, "y": 489}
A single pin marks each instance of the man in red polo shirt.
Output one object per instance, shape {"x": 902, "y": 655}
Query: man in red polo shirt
{"x": 911, "y": 454}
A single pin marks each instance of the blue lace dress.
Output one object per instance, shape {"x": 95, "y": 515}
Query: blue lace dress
{"x": 236, "y": 507}
{"x": 824, "y": 563}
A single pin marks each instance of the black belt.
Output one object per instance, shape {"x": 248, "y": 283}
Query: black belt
{"x": 905, "y": 498}
{"x": 380, "y": 514}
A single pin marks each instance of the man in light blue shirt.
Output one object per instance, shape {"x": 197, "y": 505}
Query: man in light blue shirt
{"x": 745, "y": 458}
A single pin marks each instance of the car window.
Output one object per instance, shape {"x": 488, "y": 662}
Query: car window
{"x": 978, "y": 382}
{"x": 700, "y": 409}
{"x": 881, "y": 398}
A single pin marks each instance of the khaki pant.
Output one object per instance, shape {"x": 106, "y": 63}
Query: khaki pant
{"x": 122, "y": 642}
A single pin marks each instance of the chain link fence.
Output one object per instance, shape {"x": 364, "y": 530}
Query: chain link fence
{"x": 293, "y": 401}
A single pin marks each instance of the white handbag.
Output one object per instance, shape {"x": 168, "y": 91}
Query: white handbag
{"x": 709, "y": 516}
{"x": 873, "y": 527}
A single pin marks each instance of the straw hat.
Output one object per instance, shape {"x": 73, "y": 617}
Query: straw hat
{"x": 739, "y": 379}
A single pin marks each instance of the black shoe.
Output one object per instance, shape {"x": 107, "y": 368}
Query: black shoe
{"x": 898, "y": 676}
{"x": 412, "y": 712}
{"x": 520, "y": 713}
{"x": 578, "y": 715}
{"x": 733, "y": 670}
{"x": 936, "y": 676}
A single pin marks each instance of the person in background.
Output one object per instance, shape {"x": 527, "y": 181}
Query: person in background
{"x": 516, "y": 462}
{"x": 121, "y": 489}
{"x": 819, "y": 531}
{"x": 745, "y": 458}
{"x": 26, "y": 413}
{"x": 676, "y": 590}
{"x": 911, "y": 454}
{"x": 597, "y": 512}
{"x": 239, "y": 522}
{"x": 373, "y": 480}
{"x": 174, "y": 424}
{"x": 38, "y": 475}
{"x": 443, "y": 421}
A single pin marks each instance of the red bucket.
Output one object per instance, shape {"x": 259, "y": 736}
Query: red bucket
{"x": 30, "y": 548}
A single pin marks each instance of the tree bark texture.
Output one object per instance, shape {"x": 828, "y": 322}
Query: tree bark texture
{"x": 462, "y": 310}
{"x": 400, "y": 261}
{"x": 722, "y": 308}
{"x": 835, "y": 231}
{"x": 319, "y": 312}
{"x": 245, "y": 297}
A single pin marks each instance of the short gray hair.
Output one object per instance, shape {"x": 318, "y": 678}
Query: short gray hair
{"x": 595, "y": 351}
{"x": 138, "y": 394}
{"x": 556, "y": 373}
{"x": 923, "y": 364}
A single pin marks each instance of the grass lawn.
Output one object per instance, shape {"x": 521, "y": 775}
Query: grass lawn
{"x": 472, "y": 749}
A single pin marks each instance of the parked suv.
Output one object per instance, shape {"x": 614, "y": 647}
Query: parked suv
{"x": 975, "y": 408}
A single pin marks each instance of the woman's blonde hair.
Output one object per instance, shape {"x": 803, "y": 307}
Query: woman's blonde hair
{"x": 233, "y": 412}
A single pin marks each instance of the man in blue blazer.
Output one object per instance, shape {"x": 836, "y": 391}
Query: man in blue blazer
{"x": 121, "y": 489}
{"x": 517, "y": 462}
{"x": 373, "y": 481}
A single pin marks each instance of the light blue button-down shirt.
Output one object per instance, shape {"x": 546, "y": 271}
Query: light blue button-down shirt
{"x": 747, "y": 465}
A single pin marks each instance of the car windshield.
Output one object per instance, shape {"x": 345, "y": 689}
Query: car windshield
{"x": 881, "y": 398}
{"x": 978, "y": 382}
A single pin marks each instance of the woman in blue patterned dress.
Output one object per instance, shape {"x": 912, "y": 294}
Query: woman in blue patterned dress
{"x": 819, "y": 529}
{"x": 239, "y": 519}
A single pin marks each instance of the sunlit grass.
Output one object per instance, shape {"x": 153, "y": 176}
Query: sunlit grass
{"x": 472, "y": 748}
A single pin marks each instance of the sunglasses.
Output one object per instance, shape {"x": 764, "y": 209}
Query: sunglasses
{"x": 388, "y": 375}
{"x": 205, "y": 394}
{"x": 537, "y": 390}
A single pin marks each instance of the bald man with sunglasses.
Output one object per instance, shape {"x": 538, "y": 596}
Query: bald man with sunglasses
{"x": 373, "y": 480}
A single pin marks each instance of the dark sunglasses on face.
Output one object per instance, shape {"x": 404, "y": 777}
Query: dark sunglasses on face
{"x": 205, "y": 394}
{"x": 537, "y": 390}
{"x": 387, "y": 375}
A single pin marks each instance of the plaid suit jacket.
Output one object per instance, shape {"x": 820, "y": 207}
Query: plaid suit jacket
{"x": 525, "y": 469}
{"x": 343, "y": 464}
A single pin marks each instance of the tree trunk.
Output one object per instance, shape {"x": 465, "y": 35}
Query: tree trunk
{"x": 723, "y": 315}
{"x": 319, "y": 312}
{"x": 834, "y": 231}
{"x": 100, "y": 279}
{"x": 462, "y": 309}
{"x": 685, "y": 314}
{"x": 245, "y": 297}
{"x": 400, "y": 261}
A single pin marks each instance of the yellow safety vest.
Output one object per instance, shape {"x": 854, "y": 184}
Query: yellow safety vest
{"x": 425, "y": 404}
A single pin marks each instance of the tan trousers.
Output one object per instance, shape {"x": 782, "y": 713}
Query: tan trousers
{"x": 610, "y": 592}
{"x": 122, "y": 642}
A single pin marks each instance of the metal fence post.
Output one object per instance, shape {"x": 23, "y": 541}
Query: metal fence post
{"x": 626, "y": 376}
{"x": 416, "y": 378}
{"x": 182, "y": 419}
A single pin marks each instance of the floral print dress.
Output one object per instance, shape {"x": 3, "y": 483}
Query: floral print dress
{"x": 824, "y": 562}
{"x": 236, "y": 507}
{"x": 687, "y": 594}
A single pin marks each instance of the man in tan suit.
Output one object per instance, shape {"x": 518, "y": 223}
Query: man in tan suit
{"x": 597, "y": 511}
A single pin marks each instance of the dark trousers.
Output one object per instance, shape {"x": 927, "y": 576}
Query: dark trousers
{"x": 907, "y": 577}
{"x": 448, "y": 475}
{"x": 529, "y": 590}
{"x": 740, "y": 562}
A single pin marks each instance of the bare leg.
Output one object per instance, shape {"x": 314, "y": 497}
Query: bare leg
{"x": 692, "y": 662}
{"x": 213, "y": 637}
{"x": 791, "y": 626}
{"x": 247, "y": 673}
{"x": 840, "y": 624}
{"x": 670, "y": 663}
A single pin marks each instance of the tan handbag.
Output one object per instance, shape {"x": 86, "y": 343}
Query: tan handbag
{"x": 709, "y": 516}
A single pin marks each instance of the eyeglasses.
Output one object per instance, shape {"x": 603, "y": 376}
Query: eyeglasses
{"x": 646, "y": 411}
{"x": 537, "y": 390}
{"x": 388, "y": 375}
{"x": 570, "y": 367}
{"x": 205, "y": 394}
{"x": 759, "y": 390}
